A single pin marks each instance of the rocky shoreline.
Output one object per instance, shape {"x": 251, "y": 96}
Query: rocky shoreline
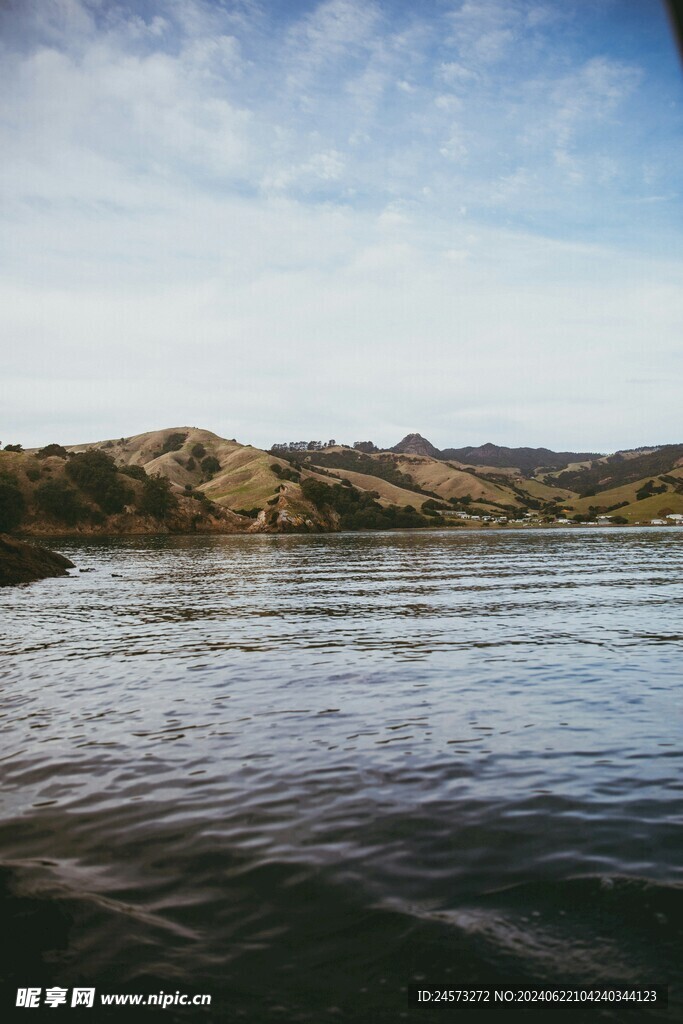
{"x": 23, "y": 563}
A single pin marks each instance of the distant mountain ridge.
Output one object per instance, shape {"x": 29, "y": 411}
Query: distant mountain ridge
{"x": 526, "y": 460}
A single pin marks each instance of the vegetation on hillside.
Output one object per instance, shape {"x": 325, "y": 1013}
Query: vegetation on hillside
{"x": 157, "y": 499}
{"x": 210, "y": 465}
{"x": 618, "y": 470}
{"x": 52, "y": 449}
{"x": 355, "y": 461}
{"x": 59, "y": 501}
{"x": 95, "y": 473}
{"x": 358, "y": 510}
{"x": 12, "y": 504}
{"x": 173, "y": 443}
{"x": 527, "y": 460}
{"x": 285, "y": 473}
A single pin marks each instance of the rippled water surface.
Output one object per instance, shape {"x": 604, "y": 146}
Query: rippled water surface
{"x": 301, "y": 773}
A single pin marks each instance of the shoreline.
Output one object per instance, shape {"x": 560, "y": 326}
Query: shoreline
{"x": 464, "y": 528}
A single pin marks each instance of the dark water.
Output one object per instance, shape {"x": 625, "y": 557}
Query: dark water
{"x": 302, "y": 773}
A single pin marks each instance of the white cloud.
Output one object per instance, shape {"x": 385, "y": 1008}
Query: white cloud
{"x": 211, "y": 219}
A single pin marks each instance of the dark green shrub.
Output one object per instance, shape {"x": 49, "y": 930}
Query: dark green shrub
{"x": 648, "y": 489}
{"x": 190, "y": 464}
{"x": 210, "y": 465}
{"x": 252, "y": 513}
{"x": 12, "y": 506}
{"x": 95, "y": 473}
{"x": 134, "y": 472}
{"x": 173, "y": 443}
{"x": 13, "y": 448}
{"x": 60, "y": 501}
{"x": 285, "y": 473}
{"x": 198, "y": 450}
{"x": 33, "y": 474}
{"x": 52, "y": 449}
{"x": 157, "y": 499}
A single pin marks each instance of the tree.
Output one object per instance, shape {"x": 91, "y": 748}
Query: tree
{"x": 157, "y": 499}
{"x": 173, "y": 443}
{"x": 650, "y": 488}
{"x": 60, "y": 501}
{"x": 134, "y": 472}
{"x": 12, "y": 506}
{"x": 52, "y": 449}
{"x": 210, "y": 465}
{"x": 95, "y": 473}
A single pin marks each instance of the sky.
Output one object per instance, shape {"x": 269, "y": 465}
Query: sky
{"x": 351, "y": 219}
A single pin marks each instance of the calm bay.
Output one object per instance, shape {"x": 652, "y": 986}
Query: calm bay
{"x": 302, "y": 773}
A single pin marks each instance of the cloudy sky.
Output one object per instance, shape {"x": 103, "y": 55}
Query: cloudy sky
{"x": 292, "y": 219}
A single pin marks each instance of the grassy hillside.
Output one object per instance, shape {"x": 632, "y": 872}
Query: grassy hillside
{"x": 616, "y": 470}
{"x": 388, "y": 493}
{"x": 209, "y": 483}
{"x": 450, "y": 482}
{"x": 652, "y": 508}
{"x": 425, "y": 477}
{"x": 186, "y": 478}
{"x": 641, "y": 500}
{"x": 86, "y": 492}
{"x": 231, "y": 474}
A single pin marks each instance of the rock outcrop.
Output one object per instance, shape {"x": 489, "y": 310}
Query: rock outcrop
{"x": 23, "y": 563}
{"x": 416, "y": 444}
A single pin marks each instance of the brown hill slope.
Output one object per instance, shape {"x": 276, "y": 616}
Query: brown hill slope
{"x": 622, "y": 468}
{"x": 206, "y": 482}
{"x": 84, "y": 492}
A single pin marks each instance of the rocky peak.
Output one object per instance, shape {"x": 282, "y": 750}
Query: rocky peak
{"x": 416, "y": 444}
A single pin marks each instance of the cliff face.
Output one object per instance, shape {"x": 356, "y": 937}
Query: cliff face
{"x": 24, "y": 563}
